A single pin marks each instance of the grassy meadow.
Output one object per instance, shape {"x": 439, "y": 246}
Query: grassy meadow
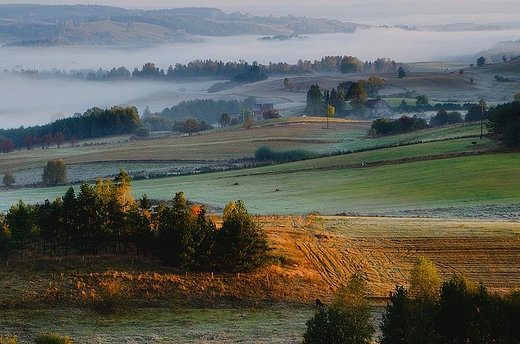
{"x": 402, "y": 172}
{"x": 443, "y": 197}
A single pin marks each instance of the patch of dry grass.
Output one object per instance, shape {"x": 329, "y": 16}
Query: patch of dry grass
{"x": 148, "y": 303}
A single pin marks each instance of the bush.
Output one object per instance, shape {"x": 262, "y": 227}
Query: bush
{"x": 266, "y": 153}
{"x": 52, "y": 338}
{"x": 113, "y": 297}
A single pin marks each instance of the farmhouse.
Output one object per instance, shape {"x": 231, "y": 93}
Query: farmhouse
{"x": 377, "y": 107}
{"x": 258, "y": 110}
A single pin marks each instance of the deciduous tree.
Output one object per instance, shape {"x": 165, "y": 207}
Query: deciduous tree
{"x": 424, "y": 291}
{"x": 8, "y": 179}
{"x": 59, "y": 138}
{"x": 421, "y": 101}
{"x": 224, "y": 119}
{"x": 54, "y": 172}
{"x": 249, "y": 121}
{"x": 6, "y": 146}
{"x": 481, "y": 61}
{"x": 191, "y": 125}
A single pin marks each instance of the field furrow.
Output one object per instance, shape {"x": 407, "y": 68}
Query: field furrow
{"x": 330, "y": 246}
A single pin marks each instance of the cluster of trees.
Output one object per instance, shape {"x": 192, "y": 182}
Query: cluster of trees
{"x": 443, "y": 117}
{"x": 208, "y": 110}
{"x": 404, "y": 124}
{"x": 428, "y": 312}
{"x": 106, "y": 218}
{"x": 354, "y": 93}
{"x": 456, "y": 311}
{"x": 93, "y": 123}
{"x": 191, "y": 125}
{"x": 504, "y": 121}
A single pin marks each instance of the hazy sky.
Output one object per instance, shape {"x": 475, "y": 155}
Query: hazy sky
{"x": 229, "y": 3}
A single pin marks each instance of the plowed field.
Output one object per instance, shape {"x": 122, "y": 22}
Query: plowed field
{"x": 385, "y": 249}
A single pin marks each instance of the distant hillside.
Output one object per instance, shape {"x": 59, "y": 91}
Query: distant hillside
{"x": 92, "y": 24}
{"x": 510, "y": 50}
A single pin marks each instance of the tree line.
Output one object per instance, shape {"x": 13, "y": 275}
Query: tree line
{"x": 93, "y": 123}
{"x": 203, "y": 109}
{"x": 429, "y": 311}
{"x": 104, "y": 218}
{"x": 220, "y": 70}
{"x": 502, "y": 121}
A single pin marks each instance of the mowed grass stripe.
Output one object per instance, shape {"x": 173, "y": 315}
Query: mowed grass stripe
{"x": 472, "y": 180}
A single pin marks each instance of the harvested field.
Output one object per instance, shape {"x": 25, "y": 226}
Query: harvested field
{"x": 385, "y": 249}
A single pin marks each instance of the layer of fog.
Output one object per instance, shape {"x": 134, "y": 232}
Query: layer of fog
{"x": 25, "y": 101}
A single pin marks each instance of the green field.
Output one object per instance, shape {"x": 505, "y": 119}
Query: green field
{"x": 305, "y": 187}
{"x": 421, "y": 170}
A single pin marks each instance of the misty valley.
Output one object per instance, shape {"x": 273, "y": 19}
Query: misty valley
{"x": 310, "y": 174}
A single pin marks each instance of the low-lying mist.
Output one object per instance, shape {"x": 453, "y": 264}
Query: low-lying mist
{"x": 26, "y": 101}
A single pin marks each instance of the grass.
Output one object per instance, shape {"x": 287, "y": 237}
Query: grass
{"x": 164, "y": 325}
{"x": 308, "y": 186}
{"x": 326, "y": 185}
{"x": 270, "y": 306}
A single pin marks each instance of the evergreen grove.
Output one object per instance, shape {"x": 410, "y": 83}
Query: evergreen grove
{"x": 104, "y": 218}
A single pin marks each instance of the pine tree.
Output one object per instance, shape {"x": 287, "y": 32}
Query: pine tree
{"x": 241, "y": 244}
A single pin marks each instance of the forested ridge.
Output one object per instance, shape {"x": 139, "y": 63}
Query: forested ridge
{"x": 93, "y": 123}
{"x": 29, "y": 24}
